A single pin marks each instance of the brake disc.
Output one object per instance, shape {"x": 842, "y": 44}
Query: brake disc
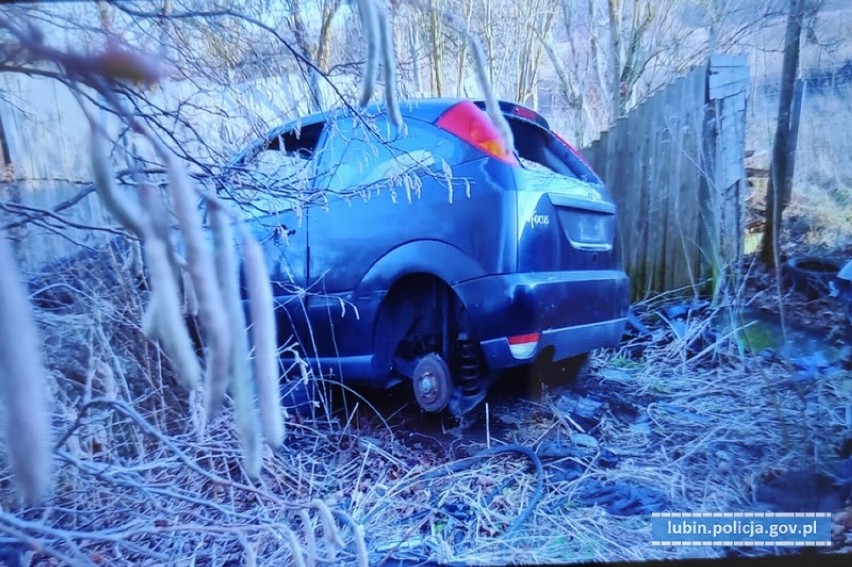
{"x": 433, "y": 383}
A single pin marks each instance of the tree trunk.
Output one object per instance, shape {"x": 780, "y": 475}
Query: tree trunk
{"x": 414, "y": 51}
{"x": 301, "y": 33}
{"x": 437, "y": 51}
{"x": 614, "y": 12}
{"x": 163, "y": 23}
{"x": 538, "y": 53}
{"x": 489, "y": 39}
{"x": 779, "y": 188}
{"x": 329, "y": 9}
{"x": 463, "y": 51}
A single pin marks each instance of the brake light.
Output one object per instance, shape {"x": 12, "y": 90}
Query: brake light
{"x": 523, "y": 346}
{"x": 526, "y": 113}
{"x": 467, "y": 122}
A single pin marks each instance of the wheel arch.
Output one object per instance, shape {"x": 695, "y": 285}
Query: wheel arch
{"x": 408, "y": 299}
{"x": 439, "y": 259}
{"x": 405, "y": 277}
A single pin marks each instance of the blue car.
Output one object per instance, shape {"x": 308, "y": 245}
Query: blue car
{"x": 431, "y": 254}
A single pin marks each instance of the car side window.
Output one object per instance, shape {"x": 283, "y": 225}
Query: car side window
{"x": 277, "y": 173}
{"x": 363, "y": 161}
{"x": 277, "y": 167}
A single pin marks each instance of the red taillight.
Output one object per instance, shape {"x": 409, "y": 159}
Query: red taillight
{"x": 523, "y": 339}
{"x": 466, "y": 121}
{"x": 523, "y": 346}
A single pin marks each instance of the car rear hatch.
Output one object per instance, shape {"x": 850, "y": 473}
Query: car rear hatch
{"x": 566, "y": 218}
{"x": 563, "y": 224}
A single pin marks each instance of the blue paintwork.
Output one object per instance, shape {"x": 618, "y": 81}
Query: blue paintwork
{"x": 502, "y": 249}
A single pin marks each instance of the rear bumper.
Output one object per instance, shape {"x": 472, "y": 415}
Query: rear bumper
{"x": 565, "y": 342}
{"x": 575, "y": 311}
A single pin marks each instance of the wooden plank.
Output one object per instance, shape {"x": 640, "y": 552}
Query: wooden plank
{"x": 664, "y": 198}
{"x": 728, "y": 75}
{"x": 655, "y": 195}
{"x": 727, "y": 90}
{"x": 691, "y": 175}
{"x": 742, "y": 186}
{"x": 722, "y": 220}
{"x": 633, "y": 236}
{"x": 603, "y": 156}
{"x": 677, "y": 275}
{"x": 724, "y": 143}
{"x": 732, "y": 176}
{"x": 706, "y": 152}
{"x": 664, "y": 151}
{"x": 642, "y": 262}
{"x": 699, "y": 124}
{"x": 622, "y": 195}
{"x": 738, "y": 102}
{"x": 694, "y": 172}
{"x": 621, "y": 132}
{"x": 731, "y": 167}
{"x": 727, "y": 81}
{"x": 611, "y": 159}
{"x": 642, "y": 212}
{"x": 590, "y": 154}
{"x": 719, "y": 189}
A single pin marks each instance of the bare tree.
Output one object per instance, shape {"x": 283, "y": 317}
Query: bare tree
{"x": 437, "y": 46}
{"x": 780, "y": 178}
{"x": 318, "y": 51}
{"x": 627, "y": 50}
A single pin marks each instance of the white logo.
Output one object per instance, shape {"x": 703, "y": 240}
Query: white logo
{"x": 539, "y": 220}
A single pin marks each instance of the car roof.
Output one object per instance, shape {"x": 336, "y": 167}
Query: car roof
{"x": 426, "y": 109}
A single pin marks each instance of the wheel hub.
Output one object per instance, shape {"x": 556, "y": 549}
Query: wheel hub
{"x": 432, "y": 383}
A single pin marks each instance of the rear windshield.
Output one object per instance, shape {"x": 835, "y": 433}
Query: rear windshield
{"x": 538, "y": 148}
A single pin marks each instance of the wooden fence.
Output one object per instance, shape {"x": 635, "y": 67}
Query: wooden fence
{"x": 675, "y": 166}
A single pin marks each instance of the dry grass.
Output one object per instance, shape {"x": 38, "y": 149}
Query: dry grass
{"x": 705, "y": 433}
{"x": 824, "y": 179}
{"x": 820, "y": 212}
{"x": 135, "y": 485}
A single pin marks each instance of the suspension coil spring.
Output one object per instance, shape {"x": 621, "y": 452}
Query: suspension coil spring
{"x": 469, "y": 367}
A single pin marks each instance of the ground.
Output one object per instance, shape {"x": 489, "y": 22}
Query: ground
{"x": 681, "y": 428}
{"x": 707, "y": 411}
